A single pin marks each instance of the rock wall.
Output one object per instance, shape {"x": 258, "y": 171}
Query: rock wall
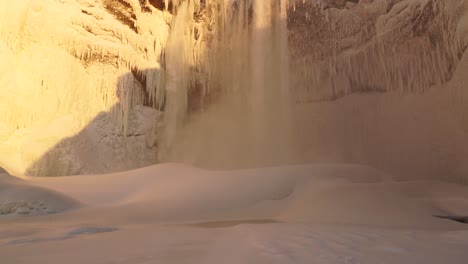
{"x": 68, "y": 63}
{"x": 383, "y": 83}
{"x": 344, "y": 47}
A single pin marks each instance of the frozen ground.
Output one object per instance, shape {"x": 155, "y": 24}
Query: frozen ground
{"x": 173, "y": 213}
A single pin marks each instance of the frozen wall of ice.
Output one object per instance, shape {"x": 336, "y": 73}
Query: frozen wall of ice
{"x": 383, "y": 83}
{"x": 65, "y": 62}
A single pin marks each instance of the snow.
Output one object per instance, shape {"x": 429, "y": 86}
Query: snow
{"x": 20, "y": 198}
{"x": 175, "y": 213}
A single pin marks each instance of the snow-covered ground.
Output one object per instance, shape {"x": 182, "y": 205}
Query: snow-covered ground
{"x": 172, "y": 213}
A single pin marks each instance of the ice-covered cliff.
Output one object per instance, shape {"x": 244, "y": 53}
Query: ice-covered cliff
{"x": 388, "y": 79}
{"x": 374, "y": 82}
{"x": 378, "y": 82}
{"x": 68, "y": 63}
{"x": 343, "y": 47}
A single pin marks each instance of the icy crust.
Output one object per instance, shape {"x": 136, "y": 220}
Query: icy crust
{"x": 24, "y": 208}
{"x": 18, "y": 198}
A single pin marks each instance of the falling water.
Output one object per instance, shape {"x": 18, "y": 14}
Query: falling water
{"x": 177, "y": 56}
{"x": 270, "y": 70}
{"x": 242, "y": 57}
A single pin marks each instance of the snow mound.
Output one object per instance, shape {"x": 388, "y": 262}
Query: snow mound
{"x": 340, "y": 194}
{"x": 20, "y": 198}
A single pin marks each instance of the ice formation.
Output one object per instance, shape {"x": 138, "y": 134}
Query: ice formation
{"x": 64, "y": 62}
{"x": 240, "y": 83}
{"x": 388, "y": 81}
{"x": 374, "y": 46}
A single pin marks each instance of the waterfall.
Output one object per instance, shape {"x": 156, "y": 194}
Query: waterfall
{"x": 177, "y": 54}
{"x": 270, "y": 70}
{"x": 240, "y": 56}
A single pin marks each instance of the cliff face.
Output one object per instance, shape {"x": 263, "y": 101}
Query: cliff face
{"x": 383, "y": 83}
{"x": 66, "y": 62}
{"x": 378, "y": 82}
{"x": 344, "y": 47}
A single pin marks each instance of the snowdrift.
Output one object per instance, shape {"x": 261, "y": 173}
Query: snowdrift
{"x": 173, "y": 213}
{"x": 18, "y": 197}
{"x": 346, "y": 194}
